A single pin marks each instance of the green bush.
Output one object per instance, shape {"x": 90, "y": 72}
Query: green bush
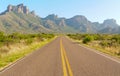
{"x": 104, "y": 44}
{"x": 8, "y": 39}
{"x": 29, "y": 41}
{"x": 88, "y": 39}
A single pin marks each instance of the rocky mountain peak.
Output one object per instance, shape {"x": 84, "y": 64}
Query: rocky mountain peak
{"x": 20, "y": 8}
{"x": 110, "y": 23}
{"x": 9, "y": 8}
{"x": 79, "y": 17}
{"x": 33, "y": 13}
{"x": 52, "y": 17}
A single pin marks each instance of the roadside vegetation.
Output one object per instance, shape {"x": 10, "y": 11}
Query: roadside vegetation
{"x": 16, "y": 45}
{"x": 106, "y": 43}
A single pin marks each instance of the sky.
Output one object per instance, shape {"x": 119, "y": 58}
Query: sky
{"x": 94, "y": 10}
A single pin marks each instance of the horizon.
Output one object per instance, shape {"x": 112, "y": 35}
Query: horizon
{"x": 89, "y": 9}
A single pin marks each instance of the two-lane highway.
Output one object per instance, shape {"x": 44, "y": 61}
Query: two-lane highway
{"x": 67, "y": 71}
{"x": 63, "y": 57}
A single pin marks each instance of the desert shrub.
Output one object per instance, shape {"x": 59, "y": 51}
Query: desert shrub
{"x": 76, "y": 36}
{"x": 104, "y": 43}
{"x": 29, "y": 41}
{"x": 47, "y": 36}
{"x": 88, "y": 39}
{"x": 1, "y": 33}
{"x": 8, "y": 39}
{"x": 2, "y": 37}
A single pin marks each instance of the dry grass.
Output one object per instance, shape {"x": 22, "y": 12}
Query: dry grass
{"x": 114, "y": 51}
{"x": 18, "y": 50}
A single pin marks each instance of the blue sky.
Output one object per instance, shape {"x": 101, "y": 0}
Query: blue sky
{"x": 94, "y": 10}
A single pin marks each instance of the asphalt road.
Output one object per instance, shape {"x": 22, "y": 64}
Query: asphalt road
{"x": 63, "y": 57}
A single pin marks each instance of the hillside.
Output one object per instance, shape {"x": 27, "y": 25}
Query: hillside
{"x": 15, "y": 19}
{"x": 20, "y": 19}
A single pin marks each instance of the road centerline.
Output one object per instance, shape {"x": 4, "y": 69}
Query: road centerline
{"x": 67, "y": 71}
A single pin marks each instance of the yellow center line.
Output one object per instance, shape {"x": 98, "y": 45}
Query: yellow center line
{"x": 68, "y": 64}
{"x": 65, "y": 62}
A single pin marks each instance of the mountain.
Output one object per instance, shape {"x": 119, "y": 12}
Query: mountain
{"x": 108, "y": 26}
{"x": 80, "y": 23}
{"x": 110, "y": 23}
{"x": 56, "y": 24}
{"x": 20, "y": 19}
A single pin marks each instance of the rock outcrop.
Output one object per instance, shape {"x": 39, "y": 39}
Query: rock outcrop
{"x": 19, "y": 9}
{"x": 9, "y": 8}
{"x": 33, "y": 13}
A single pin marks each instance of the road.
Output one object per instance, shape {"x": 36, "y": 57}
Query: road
{"x": 62, "y": 57}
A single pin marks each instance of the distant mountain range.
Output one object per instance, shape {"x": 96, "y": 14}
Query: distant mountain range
{"x": 20, "y": 19}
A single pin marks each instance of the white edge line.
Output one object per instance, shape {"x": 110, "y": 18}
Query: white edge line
{"x": 98, "y": 52}
{"x": 15, "y": 62}
{"x": 21, "y": 59}
{"x": 90, "y": 49}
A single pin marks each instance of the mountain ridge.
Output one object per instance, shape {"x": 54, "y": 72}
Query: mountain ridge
{"x": 20, "y": 19}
